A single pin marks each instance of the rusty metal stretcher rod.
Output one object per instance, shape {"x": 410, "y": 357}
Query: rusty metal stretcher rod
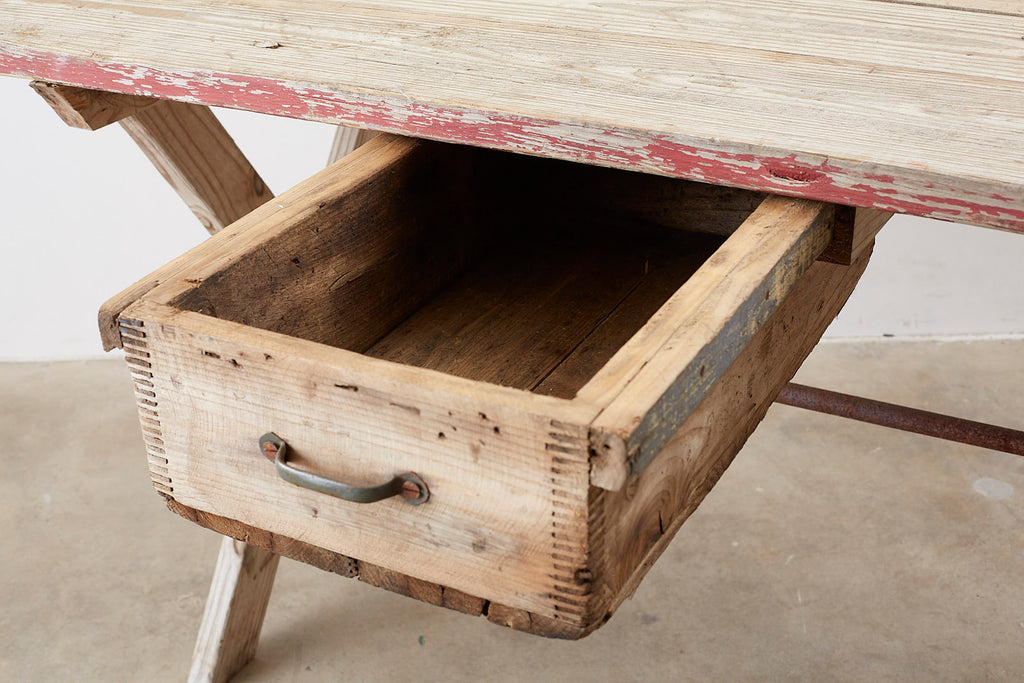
{"x": 903, "y": 418}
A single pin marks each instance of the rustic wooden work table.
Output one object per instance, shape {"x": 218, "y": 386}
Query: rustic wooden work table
{"x": 892, "y": 106}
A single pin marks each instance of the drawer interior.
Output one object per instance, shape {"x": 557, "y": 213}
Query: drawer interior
{"x": 545, "y": 308}
{"x": 511, "y": 270}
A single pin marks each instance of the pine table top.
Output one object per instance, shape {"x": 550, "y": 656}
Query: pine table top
{"x": 910, "y": 106}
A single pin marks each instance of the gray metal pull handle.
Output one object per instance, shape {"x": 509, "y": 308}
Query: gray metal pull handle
{"x": 412, "y": 489}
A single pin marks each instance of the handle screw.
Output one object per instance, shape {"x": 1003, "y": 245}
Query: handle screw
{"x": 270, "y": 450}
{"x": 411, "y": 490}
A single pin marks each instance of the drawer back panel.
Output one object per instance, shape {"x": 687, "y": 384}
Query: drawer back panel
{"x": 354, "y": 266}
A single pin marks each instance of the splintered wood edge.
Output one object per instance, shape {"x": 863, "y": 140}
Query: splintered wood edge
{"x": 659, "y": 377}
{"x": 375, "y": 575}
{"x": 609, "y": 460}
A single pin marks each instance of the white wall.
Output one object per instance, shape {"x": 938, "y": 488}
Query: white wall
{"x": 930, "y": 278}
{"x": 83, "y": 214}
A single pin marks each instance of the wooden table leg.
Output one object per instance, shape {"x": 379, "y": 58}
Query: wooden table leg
{"x": 234, "y": 611}
{"x": 195, "y": 154}
{"x": 347, "y": 139}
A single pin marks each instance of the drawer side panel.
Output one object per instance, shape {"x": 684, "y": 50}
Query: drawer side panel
{"x": 635, "y": 524}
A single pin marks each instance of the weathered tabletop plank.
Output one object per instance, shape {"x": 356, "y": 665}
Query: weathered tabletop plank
{"x": 913, "y": 107}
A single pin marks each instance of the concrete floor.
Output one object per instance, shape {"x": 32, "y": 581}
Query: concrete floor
{"x": 829, "y": 551}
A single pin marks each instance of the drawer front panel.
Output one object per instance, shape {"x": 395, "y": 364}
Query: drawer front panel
{"x": 506, "y": 519}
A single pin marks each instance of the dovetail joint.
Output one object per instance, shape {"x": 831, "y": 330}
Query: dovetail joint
{"x": 568, "y": 476}
{"x": 136, "y": 351}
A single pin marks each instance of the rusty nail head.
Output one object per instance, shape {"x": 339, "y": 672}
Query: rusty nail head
{"x": 411, "y": 490}
{"x": 270, "y": 450}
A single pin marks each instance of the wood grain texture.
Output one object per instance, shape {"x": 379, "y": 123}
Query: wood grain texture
{"x": 90, "y": 109}
{"x": 631, "y": 527}
{"x": 651, "y": 385}
{"x": 1010, "y": 8}
{"x": 322, "y": 187}
{"x": 234, "y": 611}
{"x": 507, "y": 188}
{"x": 366, "y": 260}
{"x": 194, "y": 153}
{"x": 545, "y": 308}
{"x": 855, "y": 231}
{"x": 507, "y": 470}
{"x": 909, "y": 107}
{"x": 666, "y": 266}
{"x": 381, "y": 577}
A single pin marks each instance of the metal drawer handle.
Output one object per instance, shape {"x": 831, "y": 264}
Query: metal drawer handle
{"x": 412, "y": 489}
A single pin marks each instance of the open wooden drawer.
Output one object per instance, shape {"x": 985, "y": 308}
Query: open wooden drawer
{"x": 567, "y": 357}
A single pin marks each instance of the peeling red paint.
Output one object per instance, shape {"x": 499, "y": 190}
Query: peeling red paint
{"x": 795, "y": 175}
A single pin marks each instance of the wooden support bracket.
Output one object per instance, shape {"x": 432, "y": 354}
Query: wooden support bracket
{"x": 347, "y": 139}
{"x": 184, "y": 141}
{"x": 194, "y": 153}
{"x": 90, "y": 109}
{"x": 187, "y": 145}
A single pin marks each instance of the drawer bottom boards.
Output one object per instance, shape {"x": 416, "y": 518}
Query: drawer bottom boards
{"x": 569, "y": 378}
